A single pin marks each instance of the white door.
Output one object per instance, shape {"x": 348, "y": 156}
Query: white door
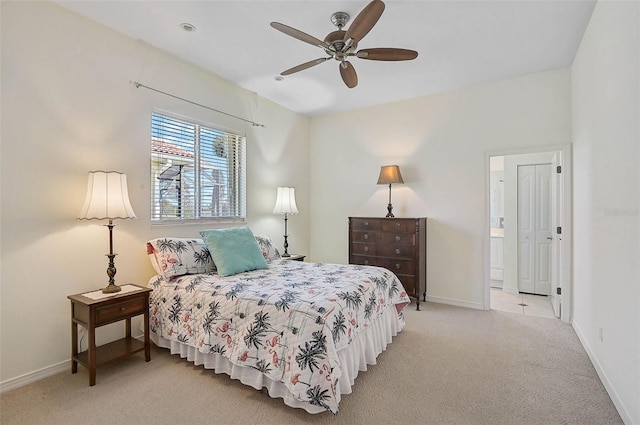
{"x": 534, "y": 229}
{"x": 526, "y": 232}
{"x": 556, "y": 223}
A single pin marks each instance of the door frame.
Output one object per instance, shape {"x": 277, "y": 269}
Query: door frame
{"x": 567, "y": 228}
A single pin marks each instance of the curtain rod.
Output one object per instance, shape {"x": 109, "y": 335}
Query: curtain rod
{"x": 138, "y": 85}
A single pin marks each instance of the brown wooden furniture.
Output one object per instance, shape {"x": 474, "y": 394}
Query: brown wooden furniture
{"x": 295, "y": 257}
{"x": 397, "y": 244}
{"x": 92, "y": 314}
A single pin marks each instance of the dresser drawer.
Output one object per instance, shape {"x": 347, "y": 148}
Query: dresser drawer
{"x": 398, "y": 266}
{"x": 399, "y": 238}
{"x": 399, "y": 226}
{"x": 365, "y": 260}
{"x": 365, "y": 249}
{"x": 366, "y": 224}
{"x": 396, "y": 251}
{"x": 409, "y": 283}
{"x": 118, "y": 311}
{"x": 368, "y": 237}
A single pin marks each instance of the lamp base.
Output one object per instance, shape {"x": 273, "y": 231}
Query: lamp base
{"x": 286, "y": 244}
{"x": 389, "y": 209}
{"x": 111, "y": 288}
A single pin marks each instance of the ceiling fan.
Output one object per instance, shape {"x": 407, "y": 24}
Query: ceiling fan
{"x": 341, "y": 44}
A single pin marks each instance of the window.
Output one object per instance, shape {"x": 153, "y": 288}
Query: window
{"x": 197, "y": 172}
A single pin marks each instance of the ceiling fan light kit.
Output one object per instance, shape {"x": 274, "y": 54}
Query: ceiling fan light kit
{"x": 341, "y": 44}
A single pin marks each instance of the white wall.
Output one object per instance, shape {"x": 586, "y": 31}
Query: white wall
{"x": 68, "y": 108}
{"x": 606, "y": 133}
{"x": 440, "y": 143}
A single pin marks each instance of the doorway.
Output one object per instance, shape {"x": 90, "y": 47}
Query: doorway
{"x": 528, "y": 228}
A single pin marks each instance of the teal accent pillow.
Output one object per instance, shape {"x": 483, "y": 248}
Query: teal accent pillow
{"x": 234, "y": 250}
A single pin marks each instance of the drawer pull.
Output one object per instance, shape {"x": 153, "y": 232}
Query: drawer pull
{"x": 366, "y": 223}
{"x": 397, "y": 265}
{"x": 366, "y": 262}
{"x": 398, "y": 251}
{"x": 366, "y": 236}
{"x": 398, "y": 238}
{"x": 366, "y": 249}
{"x": 123, "y": 308}
{"x": 398, "y": 224}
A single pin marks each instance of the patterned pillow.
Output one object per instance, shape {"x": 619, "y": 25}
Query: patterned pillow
{"x": 172, "y": 257}
{"x": 269, "y": 250}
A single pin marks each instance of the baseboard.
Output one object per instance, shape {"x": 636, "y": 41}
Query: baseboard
{"x": 457, "y": 303}
{"x": 31, "y": 377}
{"x": 603, "y": 377}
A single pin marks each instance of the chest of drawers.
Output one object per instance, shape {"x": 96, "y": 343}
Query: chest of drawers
{"x": 397, "y": 244}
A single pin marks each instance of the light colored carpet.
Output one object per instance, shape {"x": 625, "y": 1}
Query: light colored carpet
{"x": 449, "y": 366}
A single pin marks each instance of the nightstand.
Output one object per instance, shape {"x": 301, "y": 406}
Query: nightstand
{"x": 295, "y": 257}
{"x": 95, "y": 309}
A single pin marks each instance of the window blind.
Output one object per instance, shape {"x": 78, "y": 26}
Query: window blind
{"x": 197, "y": 172}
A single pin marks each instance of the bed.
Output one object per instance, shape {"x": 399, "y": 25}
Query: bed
{"x": 301, "y": 330}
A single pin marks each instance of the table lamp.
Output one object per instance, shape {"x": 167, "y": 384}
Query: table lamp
{"x": 107, "y": 199}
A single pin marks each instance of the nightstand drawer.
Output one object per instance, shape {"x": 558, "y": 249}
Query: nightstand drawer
{"x": 121, "y": 310}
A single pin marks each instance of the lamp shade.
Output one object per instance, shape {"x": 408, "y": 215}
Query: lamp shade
{"x": 390, "y": 174}
{"x": 107, "y": 197}
{"x": 286, "y": 201}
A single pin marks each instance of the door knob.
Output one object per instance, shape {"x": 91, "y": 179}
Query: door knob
{"x": 549, "y": 238}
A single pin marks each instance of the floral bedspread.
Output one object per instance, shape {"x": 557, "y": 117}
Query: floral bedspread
{"x": 287, "y": 321}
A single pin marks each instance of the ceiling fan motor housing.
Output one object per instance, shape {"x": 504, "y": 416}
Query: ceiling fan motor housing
{"x": 335, "y": 40}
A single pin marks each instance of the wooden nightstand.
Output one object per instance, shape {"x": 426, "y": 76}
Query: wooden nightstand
{"x": 295, "y": 257}
{"x": 94, "y": 309}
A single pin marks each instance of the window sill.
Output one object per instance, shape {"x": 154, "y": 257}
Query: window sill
{"x": 198, "y": 222}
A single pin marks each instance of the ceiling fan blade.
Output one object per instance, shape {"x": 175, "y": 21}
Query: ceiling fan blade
{"x": 387, "y": 54}
{"x": 348, "y": 73}
{"x": 363, "y": 23}
{"x": 304, "y": 66}
{"x": 302, "y": 36}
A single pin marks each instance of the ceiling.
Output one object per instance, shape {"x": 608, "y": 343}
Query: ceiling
{"x": 460, "y": 43}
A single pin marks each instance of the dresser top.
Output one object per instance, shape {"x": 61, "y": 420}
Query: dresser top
{"x": 390, "y": 218}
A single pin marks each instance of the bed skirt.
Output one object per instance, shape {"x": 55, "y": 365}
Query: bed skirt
{"x": 361, "y": 352}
